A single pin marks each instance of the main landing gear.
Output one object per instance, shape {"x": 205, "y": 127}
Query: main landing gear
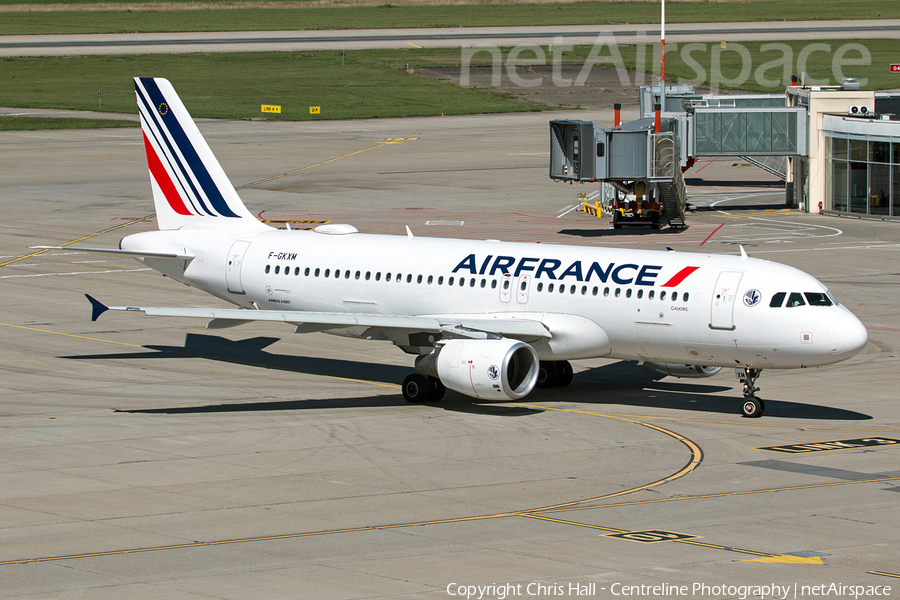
{"x": 418, "y": 388}
{"x": 554, "y": 373}
{"x": 752, "y": 407}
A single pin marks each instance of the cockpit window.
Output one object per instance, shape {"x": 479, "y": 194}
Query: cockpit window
{"x": 817, "y": 299}
{"x": 778, "y": 300}
{"x": 832, "y": 298}
{"x": 795, "y": 299}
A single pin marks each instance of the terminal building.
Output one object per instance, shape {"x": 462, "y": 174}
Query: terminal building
{"x": 836, "y": 147}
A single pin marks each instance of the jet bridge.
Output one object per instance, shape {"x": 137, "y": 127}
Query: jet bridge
{"x": 637, "y": 159}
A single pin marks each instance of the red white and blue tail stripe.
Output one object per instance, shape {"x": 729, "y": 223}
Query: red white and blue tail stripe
{"x": 189, "y": 186}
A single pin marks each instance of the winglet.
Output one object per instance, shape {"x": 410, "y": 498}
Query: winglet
{"x": 97, "y": 307}
{"x": 409, "y": 234}
{"x": 743, "y": 253}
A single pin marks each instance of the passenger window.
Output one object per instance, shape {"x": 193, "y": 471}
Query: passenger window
{"x": 522, "y": 285}
{"x": 650, "y": 295}
{"x": 483, "y": 282}
{"x": 419, "y": 279}
{"x": 368, "y": 275}
{"x": 357, "y": 275}
{"x": 817, "y": 299}
{"x": 662, "y": 295}
{"x": 306, "y": 272}
{"x": 337, "y": 273}
{"x": 378, "y": 276}
{"x": 540, "y": 287}
{"x": 494, "y": 284}
{"x": 640, "y": 294}
{"x": 316, "y": 272}
{"x": 347, "y": 274}
{"x": 674, "y": 296}
{"x": 268, "y": 268}
{"x": 409, "y": 279}
{"x": 628, "y": 293}
{"x": 778, "y": 300}
{"x": 562, "y": 288}
{"x": 506, "y": 284}
{"x": 327, "y": 272}
{"x": 472, "y": 282}
{"x": 795, "y": 299}
{"x": 450, "y": 281}
{"x": 277, "y": 269}
{"x": 430, "y": 279}
{"x": 605, "y": 292}
{"x": 399, "y": 277}
{"x": 550, "y": 287}
{"x": 387, "y": 276}
{"x": 296, "y": 271}
{"x": 462, "y": 282}
{"x": 583, "y": 290}
{"x": 684, "y": 297}
{"x": 595, "y": 290}
{"x": 440, "y": 280}
{"x": 287, "y": 270}
{"x": 618, "y": 291}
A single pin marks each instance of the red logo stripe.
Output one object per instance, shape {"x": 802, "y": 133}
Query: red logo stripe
{"x": 679, "y": 276}
{"x": 164, "y": 181}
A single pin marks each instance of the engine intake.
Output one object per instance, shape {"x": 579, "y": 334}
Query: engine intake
{"x": 679, "y": 370}
{"x": 501, "y": 369}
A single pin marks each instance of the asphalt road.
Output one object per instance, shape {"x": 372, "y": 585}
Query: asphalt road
{"x": 265, "y": 41}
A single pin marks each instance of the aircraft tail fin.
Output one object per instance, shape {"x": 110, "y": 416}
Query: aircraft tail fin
{"x": 189, "y": 186}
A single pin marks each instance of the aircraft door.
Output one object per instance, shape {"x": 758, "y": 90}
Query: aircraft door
{"x": 721, "y": 314}
{"x": 522, "y": 285}
{"x": 505, "y": 288}
{"x": 233, "y": 266}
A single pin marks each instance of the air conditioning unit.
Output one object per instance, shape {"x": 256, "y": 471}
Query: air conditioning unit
{"x": 859, "y": 110}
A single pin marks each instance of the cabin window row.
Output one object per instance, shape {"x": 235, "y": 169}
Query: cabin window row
{"x": 560, "y": 288}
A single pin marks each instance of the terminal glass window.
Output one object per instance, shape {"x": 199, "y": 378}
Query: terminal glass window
{"x": 863, "y": 176}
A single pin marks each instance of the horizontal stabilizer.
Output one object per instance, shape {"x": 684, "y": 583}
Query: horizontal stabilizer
{"x": 132, "y": 253}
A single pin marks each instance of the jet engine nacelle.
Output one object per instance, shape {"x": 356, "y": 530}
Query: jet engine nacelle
{"x": 679, "y": 370}
{"x": 500, "y": 369}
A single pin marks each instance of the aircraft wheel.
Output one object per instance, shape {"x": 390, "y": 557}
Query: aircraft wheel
{"x": 548, "y": 374}
{"x": 565, "y": 373}
{"x": 437, "y": 391}
{"x": 753, "y": 407}
{"x": 417, "y": 388}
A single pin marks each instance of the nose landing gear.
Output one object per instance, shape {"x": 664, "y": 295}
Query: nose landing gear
{"x": 752, "y": 407}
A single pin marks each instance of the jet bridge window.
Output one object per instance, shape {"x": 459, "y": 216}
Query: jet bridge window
{"x": 778, "y": 300}
{"x": 817, "y": 299}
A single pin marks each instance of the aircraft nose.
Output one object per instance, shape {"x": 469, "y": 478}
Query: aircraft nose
{"x": 848, "y": 337}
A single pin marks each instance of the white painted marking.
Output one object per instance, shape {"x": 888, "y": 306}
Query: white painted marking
{"x": 76, "y": 273}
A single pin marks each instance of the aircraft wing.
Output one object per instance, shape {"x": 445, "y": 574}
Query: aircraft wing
{"x": 319, "y": 321}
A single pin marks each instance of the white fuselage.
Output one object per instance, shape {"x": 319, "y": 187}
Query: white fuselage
{"x": 673, "y": 307}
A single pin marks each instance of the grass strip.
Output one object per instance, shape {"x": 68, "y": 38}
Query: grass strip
{"x": 388, "y": 16}
{"x": 36, "y": 123}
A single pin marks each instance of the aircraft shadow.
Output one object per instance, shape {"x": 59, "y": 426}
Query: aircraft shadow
{"x": 631, "y": 230}
{"x": 698, "y": 182}
{"x": 635, "y": 386}
{"x": 251, "y": 352}
{"x": 619, "y": 384}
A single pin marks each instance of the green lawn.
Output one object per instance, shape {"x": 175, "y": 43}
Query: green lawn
{"x": 34, "y": 123}
{"x": 387, "y": 16}
{"x": 367, "y": 84}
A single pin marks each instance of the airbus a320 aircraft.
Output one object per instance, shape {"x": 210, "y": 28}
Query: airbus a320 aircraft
{"x": 487, "y": 319}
